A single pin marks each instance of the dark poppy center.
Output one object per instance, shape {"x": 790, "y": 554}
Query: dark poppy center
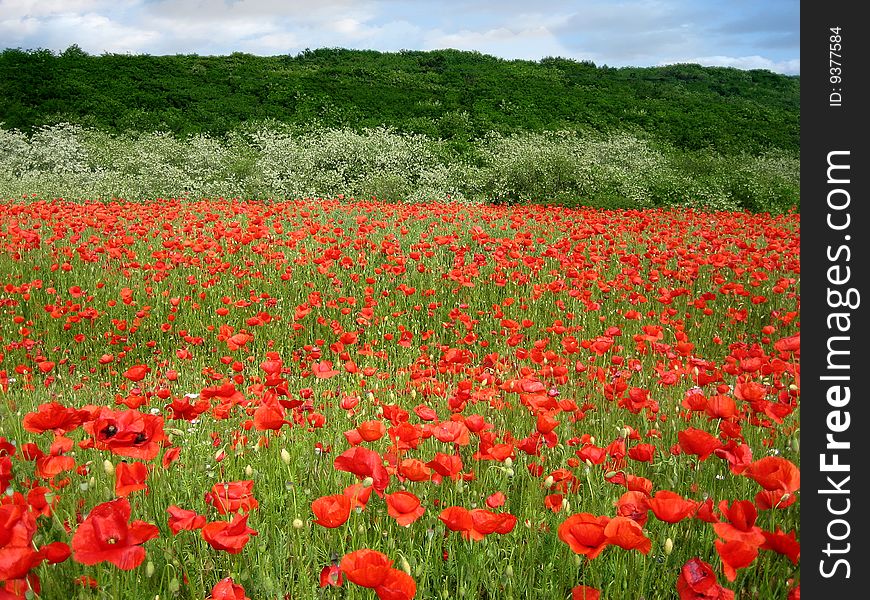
{"x": 140, "y": 437}
{"x": 109, "y": 431}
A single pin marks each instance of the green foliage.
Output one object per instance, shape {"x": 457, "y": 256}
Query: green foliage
{"x": 453, "y": 95}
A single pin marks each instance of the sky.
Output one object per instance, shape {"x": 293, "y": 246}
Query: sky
{"x": 745, "y": 34}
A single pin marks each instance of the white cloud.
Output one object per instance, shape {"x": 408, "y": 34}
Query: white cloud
{"x": 617, "y": 33}
{"x": 786, "y": 67}
{"x": 530, "y": 43}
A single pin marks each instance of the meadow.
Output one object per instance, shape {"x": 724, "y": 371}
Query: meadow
{"x": 346, "y": 398}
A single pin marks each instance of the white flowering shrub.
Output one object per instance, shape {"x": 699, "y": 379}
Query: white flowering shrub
{"x": 270, "y": 160}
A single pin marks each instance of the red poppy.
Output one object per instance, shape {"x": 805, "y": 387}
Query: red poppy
{"x": 584, "y": 592}
{"x": 366, "y": 568}
{"x": 332, "y": 511}
{"x": 331, "y": 575}
{"x": 404, "y": 507}
{"x": 456, "y": 518}
{"x": 128, "y": 433}
{"x": 698, "y": 442}
{"x": 130, "y": 477}
{"x": 782, "y": 543}
{"x": 54, "y": 417}
{"x": 446, "y": 465}
{"x": 182, "y": 519}
{"x": 775, "y": 473}
{"x": 496, "y": 500}
{"x": 484, "y": 522}
{"x": 740, "y": 525}
{"x": 363, "y": 463}
{"x": 359, "y": 494}
{"x": 633, "y": 505}
{"x": 735, "y": 555}
{"x": 642, "y": 453}
{"x": 670, "y": 507}
{"x": 627, "y": 534}
{"x": 554, "y": 502}
{"x": 227, "y": 589}
{"x": 584, "y": 533}
{"x": 372, "y": 430}
{"x": 136, "y": 373}
{"x": 323, "y": 369}
{"x": 106, "y": 535}
{"x": 231, "y": 536}
{"x": 232, "y": 497}
{"x": 697, "y": 581}
{"x": 397, "y": 585}
{"x": 451, "y": 432}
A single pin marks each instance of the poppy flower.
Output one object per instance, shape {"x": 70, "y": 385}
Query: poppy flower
{"x": 182, "y": 519}
{"x": 136, "y": 373}
{"x": 484, "y": 522}
{"x": 775, "y": 473}
{"x": 451, "y": 432}
{"x": 697, "y": 581}
{"x": 371, "y": 431}
{"x": 363, "y": 463}
{"x": 740, "y": 524}
{"x": 446, "y": 465}
{"x": 414, "y": 469}
{"x": 554, "y": 502}
{"x": 698, "y": 442}
{"x": 332, "y": 511}
{"x": 324, "y": 370}
{"x": 584, "y": 592}
{"x": 782, "y": 543}
{"x": 633, "y": 505}
{"x": 456, "y": 518}
{"x": 397, "y": 585}
{"x": 232, "y": 497}
{"x": 53, "y": 416}
{"x": 496, "y": 500}
{"x": 359, "y": 494}
{"x": 670, "y": 507}
{"x": 735, "y": 555}
{"x": 106, "y": 535}
{"x": 227, "y": 589}
{"x": 127, "y": 433}
{"x": 130, "y": 477}
{"x": 331, "y": 575}
{"x": 584, "y": 533}
{"x": 627, "y": 534}
{"x": 404, "y": 507}
{"x": 231, "y": 537}
{"x": 366, "y": 568}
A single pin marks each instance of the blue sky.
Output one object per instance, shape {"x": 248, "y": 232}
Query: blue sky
{"x": 746, "y": 34}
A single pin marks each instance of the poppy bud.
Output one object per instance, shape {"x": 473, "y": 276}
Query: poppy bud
{"x": 508, "y": 462}
{"x": 149, "y": 569}
{"x": 108, "y": 467}
{"x": 368, "y": 482}
{"x": 549, "y": 481}
{"x": 406, "y": 566}
{"x": 298, "y": 524}
{"x": 508, "y": 572}
{"x": 285, "y": 456}
{"x": 249, "y": 471}
{"x": 669, "y": 546}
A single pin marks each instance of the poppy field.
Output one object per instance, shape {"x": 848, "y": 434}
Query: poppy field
{"x": 351, "y": 399}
